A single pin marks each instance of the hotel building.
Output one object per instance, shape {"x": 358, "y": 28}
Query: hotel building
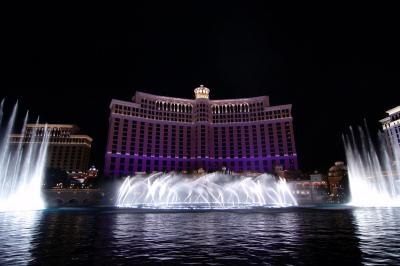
{"x": 67, "y": 150}
{"x": 158, "y": 133}
{"x": 391, "y": 129}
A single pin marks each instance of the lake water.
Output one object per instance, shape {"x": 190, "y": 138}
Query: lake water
{"x": 280, "y": 236}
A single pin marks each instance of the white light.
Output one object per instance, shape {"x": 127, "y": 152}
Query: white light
{"x": 21, "y": 171}
{"x": 205, "y": 192}
{"x": 373, "y": 177}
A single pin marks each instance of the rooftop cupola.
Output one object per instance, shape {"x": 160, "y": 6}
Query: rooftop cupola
{"x": 201, "y": 92}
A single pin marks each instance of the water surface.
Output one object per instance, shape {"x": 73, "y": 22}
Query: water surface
{"x": 287, "y": 236}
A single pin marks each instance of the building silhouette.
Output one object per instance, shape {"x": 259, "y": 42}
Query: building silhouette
{"x": 391, "y": 129}
{"x": 158, "y": 133}
{"x": 67, "y": 150}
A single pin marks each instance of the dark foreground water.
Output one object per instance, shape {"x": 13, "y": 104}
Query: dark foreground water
{"x": 114, "y": 237}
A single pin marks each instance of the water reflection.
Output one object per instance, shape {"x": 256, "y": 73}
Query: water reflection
{"x": 17, "y": 229}
{"x": 202, "y": 237}
{"x": 117, "y": 237}
{"x": 72, "y": 237}
{"x": 378, "y": 231}
{"x": 226, "y": 238}
{"x": 328, "y": 237}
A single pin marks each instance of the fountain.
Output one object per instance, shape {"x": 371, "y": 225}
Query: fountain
{"x": 373, "y": 174}
{"x": 21, "y": 167}
{"x": 209, "y": 191}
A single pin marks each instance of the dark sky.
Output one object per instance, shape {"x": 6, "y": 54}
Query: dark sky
{"x": 336, "y": 64}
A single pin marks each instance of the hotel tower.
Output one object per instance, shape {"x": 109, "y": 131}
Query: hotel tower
{"x": 158, "y": 133}
{"x": 391, "y": 129}
{"x": 67, "y": 150}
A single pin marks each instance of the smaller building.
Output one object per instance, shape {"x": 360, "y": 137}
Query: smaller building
{"x": 391, "y": 129}
{"x": 92, "y": 172}
{"x": 310, "y": 191}
{"x": 307, "y": 191}
{"x": 338, "y": 182}
{"x": 83, "y": 179}
{"x": 317, "y": 177}
{"x": 67, "y": 150}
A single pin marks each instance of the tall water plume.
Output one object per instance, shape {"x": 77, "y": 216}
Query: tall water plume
{"x": 22, "y": 165}
{"x": 373, "y": 173}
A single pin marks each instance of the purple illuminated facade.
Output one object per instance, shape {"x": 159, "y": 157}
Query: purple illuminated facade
{"x": 157, "y": 133}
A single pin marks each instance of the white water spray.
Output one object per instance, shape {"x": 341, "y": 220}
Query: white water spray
{"x": 373, "y": 174}
{"x": 21, "y": 167}
{"x": 210, "y": 191}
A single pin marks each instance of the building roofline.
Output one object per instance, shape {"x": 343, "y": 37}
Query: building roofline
{"x": 393, "y": 110}
{"x": 116, "y": 101}
{"x": 250, "y": 99}
{"x": 278, "y": 107}
{"x": 224, "y": 101}
{"x": 53, "y": 125}
{"x": 82, "y": 137}
{"x": 385, "y": 120}
{"x": 140, "y": 93}
{"x": 17, "y": 135}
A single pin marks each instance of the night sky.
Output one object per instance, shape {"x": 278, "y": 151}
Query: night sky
{"x": 336, "y": 64}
